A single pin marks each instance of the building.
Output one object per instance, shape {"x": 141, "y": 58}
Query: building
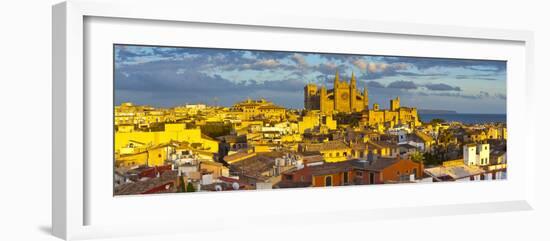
{"x": 314, "y": 121}
{"x": 332, "y": 151}
{"x": 476, "y": 154}
{"x": 455, "y": 170}
{"x": 458, "y": 170}
{"x": 395, "y": 116}
{"x": 343, "y": 97}
{"x": 259, "y": 110}
{"x": 346, "y": 98}
{"x": 165, "y": 182}
{"x": 171, "y": 132}
{"x": 150, "y": 157}
{"x": 353, "y": 172}
{"x": 141, "y": 116}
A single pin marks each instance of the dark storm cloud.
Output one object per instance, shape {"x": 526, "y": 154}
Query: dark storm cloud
{"x": 480, "y": 95}
{"x": 374, "y": 84}
{"x": 330, "y": 68}
{"x": 476, "y": 76}
{"x": 122, "y": 54}
{"x": 171, "y": 87}
{"x": 402, "y": 84}
{"x": 442, "y": 87}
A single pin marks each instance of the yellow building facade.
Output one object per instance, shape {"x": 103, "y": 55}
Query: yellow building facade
{"x": 151, "y": 157}
{"x": 314, "y": 120}
{"x": 344, "y": 97}
{"x": 395, "y": 115}
{"x": 258, "y": 109}
{"x": 172, "y": 132}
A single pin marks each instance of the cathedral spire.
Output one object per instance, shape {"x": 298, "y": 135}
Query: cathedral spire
{"x": 366, "y": 97}
{"x": 352, "y": 81}
{"x": 336, "y": 79}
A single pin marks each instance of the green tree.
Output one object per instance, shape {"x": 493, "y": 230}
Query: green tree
{"x": 190, "y": 187}
{"x": 437, "y": 121}
{"x": 417, "y": 157}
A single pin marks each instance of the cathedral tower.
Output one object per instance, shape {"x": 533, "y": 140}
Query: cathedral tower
{"x": 353, "y": 93}
{"x": 365, "y": 98}
{"x": 336, "y": 88}
{"x": 394, "y": 104}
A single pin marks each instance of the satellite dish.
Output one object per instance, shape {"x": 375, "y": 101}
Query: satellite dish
{"x": 235, "y": 186}
{"x": 218, "y": 188}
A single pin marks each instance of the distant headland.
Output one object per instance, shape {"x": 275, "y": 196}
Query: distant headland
{"x": 436, "y": 112}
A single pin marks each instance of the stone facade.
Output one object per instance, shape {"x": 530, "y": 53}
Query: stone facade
{"x": 344, "y": 97}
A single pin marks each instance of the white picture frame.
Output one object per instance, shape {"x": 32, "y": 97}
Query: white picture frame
{"x": 72, "y": 193}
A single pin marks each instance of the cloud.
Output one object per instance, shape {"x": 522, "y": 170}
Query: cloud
{"x": 330, "y": 68}
{"x": 267, "y": 63}
{"x": 374, "y": 84}
{"x": 377, "y": 67}
{"x": 428, "y": 63}
{"x": 477, "y": 76}
{"x": 501, "y": 96}
{"x": 402, "y": 84}
{"x": 167, "y": 76}
{"x": 483, "y": 94}
{"x": 361, "y": 64}
{"x": 442, "y": 87}
{"x": 262, "y": 54}
{"x": 478, "y": 96}
{"x": 300, "y": 60}
{"x": 381, "y": 70}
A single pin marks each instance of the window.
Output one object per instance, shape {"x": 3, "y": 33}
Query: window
{"x": 346, "y": 177}
{"x": 398, "y": 173}
{"x": 337, "y": 154}
{"x": 328, "y": 181}
{"x": 359, "y": 174}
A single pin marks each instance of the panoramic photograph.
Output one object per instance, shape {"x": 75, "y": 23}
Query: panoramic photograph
{"x": 189, "y": 119}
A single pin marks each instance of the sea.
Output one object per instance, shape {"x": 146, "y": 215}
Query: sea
{"x": 465, "y": 118}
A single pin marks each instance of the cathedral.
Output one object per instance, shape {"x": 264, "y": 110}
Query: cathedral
{"x": 347, "y": 98}
{"x": 343, "y": 97}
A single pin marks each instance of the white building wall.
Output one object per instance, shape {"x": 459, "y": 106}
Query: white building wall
{"x": 469, "y": 155}
{"x": 484, "y": 150}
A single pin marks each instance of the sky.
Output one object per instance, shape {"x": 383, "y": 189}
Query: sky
{"x": 172, "y": 76}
